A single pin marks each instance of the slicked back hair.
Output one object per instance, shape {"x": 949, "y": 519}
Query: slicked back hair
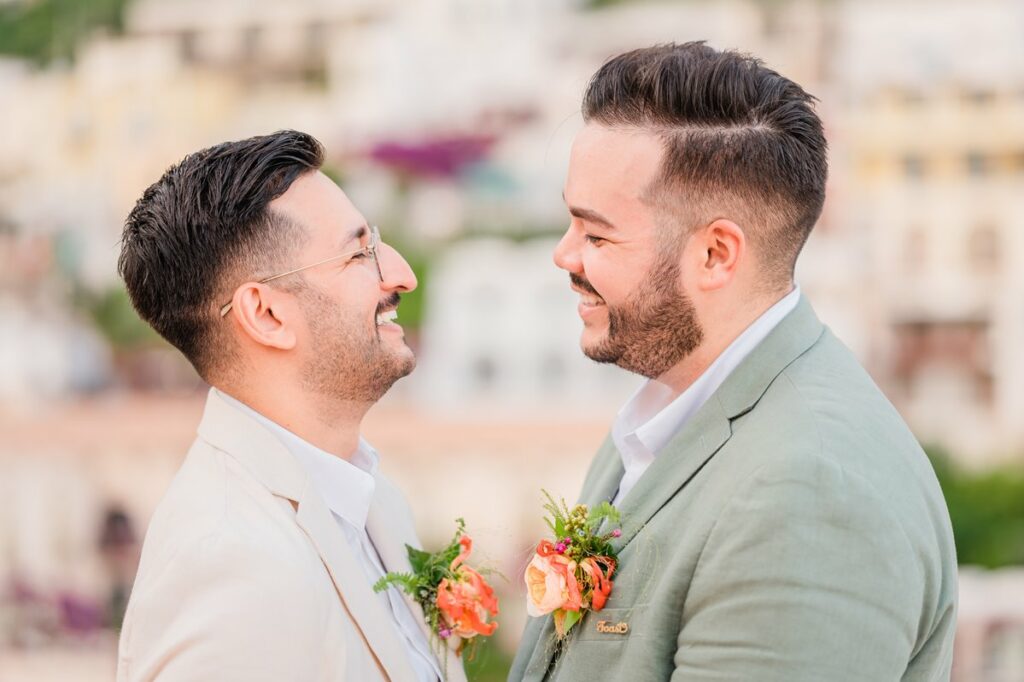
{"x": 741, "y": 141}
{"x": 205, "y": 222}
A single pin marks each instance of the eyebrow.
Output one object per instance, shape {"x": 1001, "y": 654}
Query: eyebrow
{"x": 357, "y": 233}
{"x": 589, "y": 215}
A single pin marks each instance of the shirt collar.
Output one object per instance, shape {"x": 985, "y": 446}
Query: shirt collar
{"x": 651, "y": 417}
{"x": 346, "y": 486}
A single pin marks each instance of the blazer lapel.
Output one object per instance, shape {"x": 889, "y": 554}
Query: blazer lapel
{"x": 601, "y": 484}
{"x": 365, "y": 607}
{"x": 706, "y": 432}
{"x": 702, "y": 436}
{"x": 605, "y": 474}
{"x": 254, "y": 447}
{"x": 390, "y": 532}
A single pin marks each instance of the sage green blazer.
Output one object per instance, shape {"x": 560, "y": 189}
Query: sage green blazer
{"x": 793, "y": 530}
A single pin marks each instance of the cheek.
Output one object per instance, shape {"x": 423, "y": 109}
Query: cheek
{"x": 614, "y": 280}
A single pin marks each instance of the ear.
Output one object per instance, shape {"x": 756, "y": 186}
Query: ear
{"x": 263, "y": 315}
{"x": 722, "y": 246}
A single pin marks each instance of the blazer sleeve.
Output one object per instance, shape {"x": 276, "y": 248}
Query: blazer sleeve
{"x": 222, "y": 610}
{"x": 806, "y": 575}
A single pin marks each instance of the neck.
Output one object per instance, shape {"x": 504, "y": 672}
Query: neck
{"x": 720, "y": 330}
{"x": 330, "y": 424}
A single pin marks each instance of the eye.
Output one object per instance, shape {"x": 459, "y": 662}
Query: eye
{"x": 592, "y": 239}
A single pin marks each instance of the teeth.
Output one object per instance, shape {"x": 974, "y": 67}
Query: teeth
{"x": 389, "y": 316}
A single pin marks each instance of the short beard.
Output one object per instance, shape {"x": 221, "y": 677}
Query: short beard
{"x": 654, "y": 329}
{"x": 345, "y": 362}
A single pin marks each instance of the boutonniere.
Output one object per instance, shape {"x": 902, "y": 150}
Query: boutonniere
{"x": 458, "y": 604}
{"x": 572, "y": 574}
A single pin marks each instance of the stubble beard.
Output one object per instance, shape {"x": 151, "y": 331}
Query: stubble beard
{"x": 654, "y": 329}
{"x": 346, "y": 362}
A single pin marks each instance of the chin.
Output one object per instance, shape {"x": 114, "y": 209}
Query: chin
{"x": 592, "y": 338}
{"x": 405, "y": 361}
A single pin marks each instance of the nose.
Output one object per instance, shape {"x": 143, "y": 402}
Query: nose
{"x": 567, "y": 252}
{"x": 397, "y": 275}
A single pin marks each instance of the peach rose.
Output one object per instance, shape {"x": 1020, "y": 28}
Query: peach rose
{"x": 551, "y": 582}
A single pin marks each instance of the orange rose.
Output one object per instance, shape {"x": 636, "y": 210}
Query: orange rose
{"x": 467, "y": 601}
{"x": 551, "y": 582}
{"x": 598, "y": 571}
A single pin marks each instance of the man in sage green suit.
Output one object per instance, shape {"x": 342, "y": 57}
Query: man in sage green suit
{"x": 779, "y": 520}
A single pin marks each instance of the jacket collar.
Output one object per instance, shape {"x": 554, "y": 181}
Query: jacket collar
{"x": 690, "y": 449}
{"x": 711, "y": 427}
{"x": 390, "y": 525}
{"x": 262, "y": 454}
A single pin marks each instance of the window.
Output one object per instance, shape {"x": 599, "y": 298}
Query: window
{"x": 251, "y": 39}
{"x": 915, "y": 249}
{"x": 187, "y": 47}
{"x": 978, "y": 165}
{"x": 983, "y": 248}
{"x": 978, "y": 96}
{"x": 913, "y": 166}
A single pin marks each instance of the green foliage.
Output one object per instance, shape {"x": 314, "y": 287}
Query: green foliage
{"x": 489, "y": 663}
{"x": 559, "y": 516}
{"x": 45, "y": 30}
{"x": 986, "y": 509}
{"x": 410, "y": 310}
{"x": 518, "y": 234}
{"x": 571, "y": 618}
{"x": 112, "y": 313}
{"x": 599, "y": 4}
{"x": 581, "y": 525}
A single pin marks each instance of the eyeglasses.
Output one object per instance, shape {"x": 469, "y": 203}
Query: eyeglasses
{"x": 370, "y": 250}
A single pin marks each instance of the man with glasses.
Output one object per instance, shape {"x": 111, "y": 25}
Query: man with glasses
{"x": 259, "y": 562}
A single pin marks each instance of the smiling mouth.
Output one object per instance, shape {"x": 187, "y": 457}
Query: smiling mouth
{"x": 387, "y": 317}
{"x": 588, "y": 294}
{"x": 588, "y": 298}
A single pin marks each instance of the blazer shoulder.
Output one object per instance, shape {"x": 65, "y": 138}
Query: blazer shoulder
{"x": 214, "y": 506}
{"x": 823, "y": 422}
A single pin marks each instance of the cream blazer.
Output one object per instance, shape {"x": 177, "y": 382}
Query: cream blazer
{"x": 245, "y": 574}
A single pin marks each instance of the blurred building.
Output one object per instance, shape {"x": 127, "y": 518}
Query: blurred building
{"x": 445, "y": 119}
{"x": 912, "y": 263}
{"x": 989, "y": 643}
{"x": 934, "y": 134}
{"x": 502, "y": 337}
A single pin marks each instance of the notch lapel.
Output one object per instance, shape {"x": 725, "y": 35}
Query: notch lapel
{"x": 684, "y": 456}
{"x": 600, "y": 486}
{"x": 604, "y": 477}
{"x": 391, "y": 530}
{"x": 706, "y": 432}
{"x": 365, "y": 607}
{"x": 639, "y": 505}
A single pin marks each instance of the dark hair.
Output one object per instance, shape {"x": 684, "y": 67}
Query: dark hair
{"x": 206, "y": 219}
{"x": 736, "y": 133}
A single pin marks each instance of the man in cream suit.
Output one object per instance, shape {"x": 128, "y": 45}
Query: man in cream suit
{"x": 258, "y": 564}
{"x": 779, "y": 521}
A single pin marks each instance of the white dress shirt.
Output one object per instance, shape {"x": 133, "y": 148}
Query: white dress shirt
{"x": 347, "y": 487}
{"x": 654, "y": 414}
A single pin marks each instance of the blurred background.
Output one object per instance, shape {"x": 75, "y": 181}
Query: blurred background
{"x": 449, "y": 122}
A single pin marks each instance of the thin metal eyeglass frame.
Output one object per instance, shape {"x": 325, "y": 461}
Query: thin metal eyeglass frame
{"x": 370, "y": 250}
